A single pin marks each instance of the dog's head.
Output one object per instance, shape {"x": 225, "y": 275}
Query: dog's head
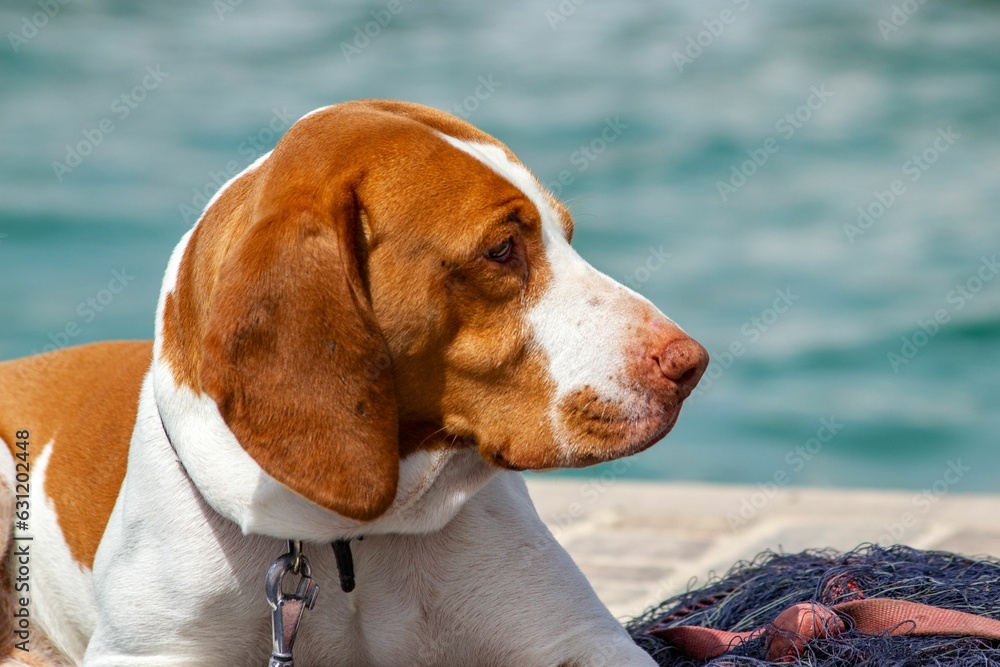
{"x": 391, "y": 279}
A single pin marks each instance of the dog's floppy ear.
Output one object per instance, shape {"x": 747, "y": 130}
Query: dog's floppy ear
{"x": 297, "y": 365}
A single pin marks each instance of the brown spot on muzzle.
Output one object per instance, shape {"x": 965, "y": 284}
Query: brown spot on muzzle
{"x": 589, "y": 415}
{"x": 599, "y": 429}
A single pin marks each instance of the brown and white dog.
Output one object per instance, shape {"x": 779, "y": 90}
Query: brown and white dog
{"x": 367, "y": 333}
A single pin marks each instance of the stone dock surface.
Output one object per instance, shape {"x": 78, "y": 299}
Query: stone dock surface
{"x": 639, "y": 543}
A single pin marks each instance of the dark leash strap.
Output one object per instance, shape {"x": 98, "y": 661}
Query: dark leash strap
{"x": 786, "y": 637}
{"x": 345, "y": 563}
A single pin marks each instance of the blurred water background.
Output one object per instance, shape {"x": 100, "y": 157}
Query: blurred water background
{"x": 809, "y": 189}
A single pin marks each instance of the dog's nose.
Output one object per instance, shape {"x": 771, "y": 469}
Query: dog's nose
{"x": 682, "y": 361}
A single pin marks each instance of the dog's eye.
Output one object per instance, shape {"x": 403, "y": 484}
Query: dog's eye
{"x": 502, "y": 252}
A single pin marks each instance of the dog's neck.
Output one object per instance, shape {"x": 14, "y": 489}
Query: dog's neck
{"x": 433, "y": 485}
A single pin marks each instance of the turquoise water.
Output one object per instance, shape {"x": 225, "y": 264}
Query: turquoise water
{"x": 746, "y": 135}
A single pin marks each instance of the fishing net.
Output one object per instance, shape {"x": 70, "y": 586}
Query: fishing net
{"x": 753, "y": 593}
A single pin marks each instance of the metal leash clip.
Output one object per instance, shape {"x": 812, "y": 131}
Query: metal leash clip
{"x": 287, "y": 609}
